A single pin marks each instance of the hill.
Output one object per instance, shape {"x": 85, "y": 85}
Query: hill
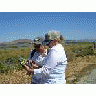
{"x": 22, "y": 41}
{"x": 18, "y": 41}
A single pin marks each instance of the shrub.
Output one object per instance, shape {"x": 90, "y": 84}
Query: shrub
{"x": 85, "y": 51}
{"x": 10, "y": 64}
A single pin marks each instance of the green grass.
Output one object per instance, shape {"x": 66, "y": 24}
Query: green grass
{"x": 78, "y": 49}
{"x": 9, "y": 57}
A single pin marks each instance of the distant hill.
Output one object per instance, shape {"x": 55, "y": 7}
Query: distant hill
{"x": 22, "y": 41}
{"x": 29, "y": 41}
{"x": 82, "y": 40}
{"x": 18, "y": 41}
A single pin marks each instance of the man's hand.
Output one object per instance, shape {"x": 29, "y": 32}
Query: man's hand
{"x": 29, "y": 71}
{"x": 33, "y": 64}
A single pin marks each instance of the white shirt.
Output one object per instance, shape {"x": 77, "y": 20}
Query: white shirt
{"x": 53, "y": 68}
{"x": 38, "y": 57}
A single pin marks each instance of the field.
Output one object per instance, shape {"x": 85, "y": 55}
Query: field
{"x": 81, "y": 57}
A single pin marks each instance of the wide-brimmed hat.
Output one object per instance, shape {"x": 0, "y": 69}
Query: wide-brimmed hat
{"x": 51, "y": 35}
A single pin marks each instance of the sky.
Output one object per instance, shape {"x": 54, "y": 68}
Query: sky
{"x": 29, "y": 25}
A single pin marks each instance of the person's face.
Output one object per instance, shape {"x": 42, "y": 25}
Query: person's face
{"x": 51, "y": 43}
{"x": 37, "y": 47}
{"x": 42, "y": 49}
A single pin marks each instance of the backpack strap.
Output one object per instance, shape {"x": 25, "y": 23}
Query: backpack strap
{"x": 32, "y": 53}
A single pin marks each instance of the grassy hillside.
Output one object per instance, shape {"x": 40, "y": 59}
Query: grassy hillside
{"x": 80, "y": 56}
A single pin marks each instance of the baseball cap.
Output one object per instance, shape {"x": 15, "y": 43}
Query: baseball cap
{"x": 37, "y": 42}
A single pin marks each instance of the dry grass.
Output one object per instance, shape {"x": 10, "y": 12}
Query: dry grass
{"x": 16, "y": 77}
{"x": 76, "y": 68}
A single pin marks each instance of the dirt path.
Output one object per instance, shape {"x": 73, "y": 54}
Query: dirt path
{"x": 89, "y": 78}
{"x": 81, "y": 68}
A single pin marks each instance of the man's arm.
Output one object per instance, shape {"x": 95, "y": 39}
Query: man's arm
{"x": 29, "y": 71}
{"x": 33, "y": 64}
{"x": 49, "y": 63}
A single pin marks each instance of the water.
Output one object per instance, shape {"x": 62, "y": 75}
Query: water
{"x": 14, "y": 46}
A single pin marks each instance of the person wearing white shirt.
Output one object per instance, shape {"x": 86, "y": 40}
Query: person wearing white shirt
{"x": 53, "y": 65}
{"x": 36, "y": 56}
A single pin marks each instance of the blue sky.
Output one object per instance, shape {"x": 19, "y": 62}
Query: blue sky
{"x": 29, "y": 25}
